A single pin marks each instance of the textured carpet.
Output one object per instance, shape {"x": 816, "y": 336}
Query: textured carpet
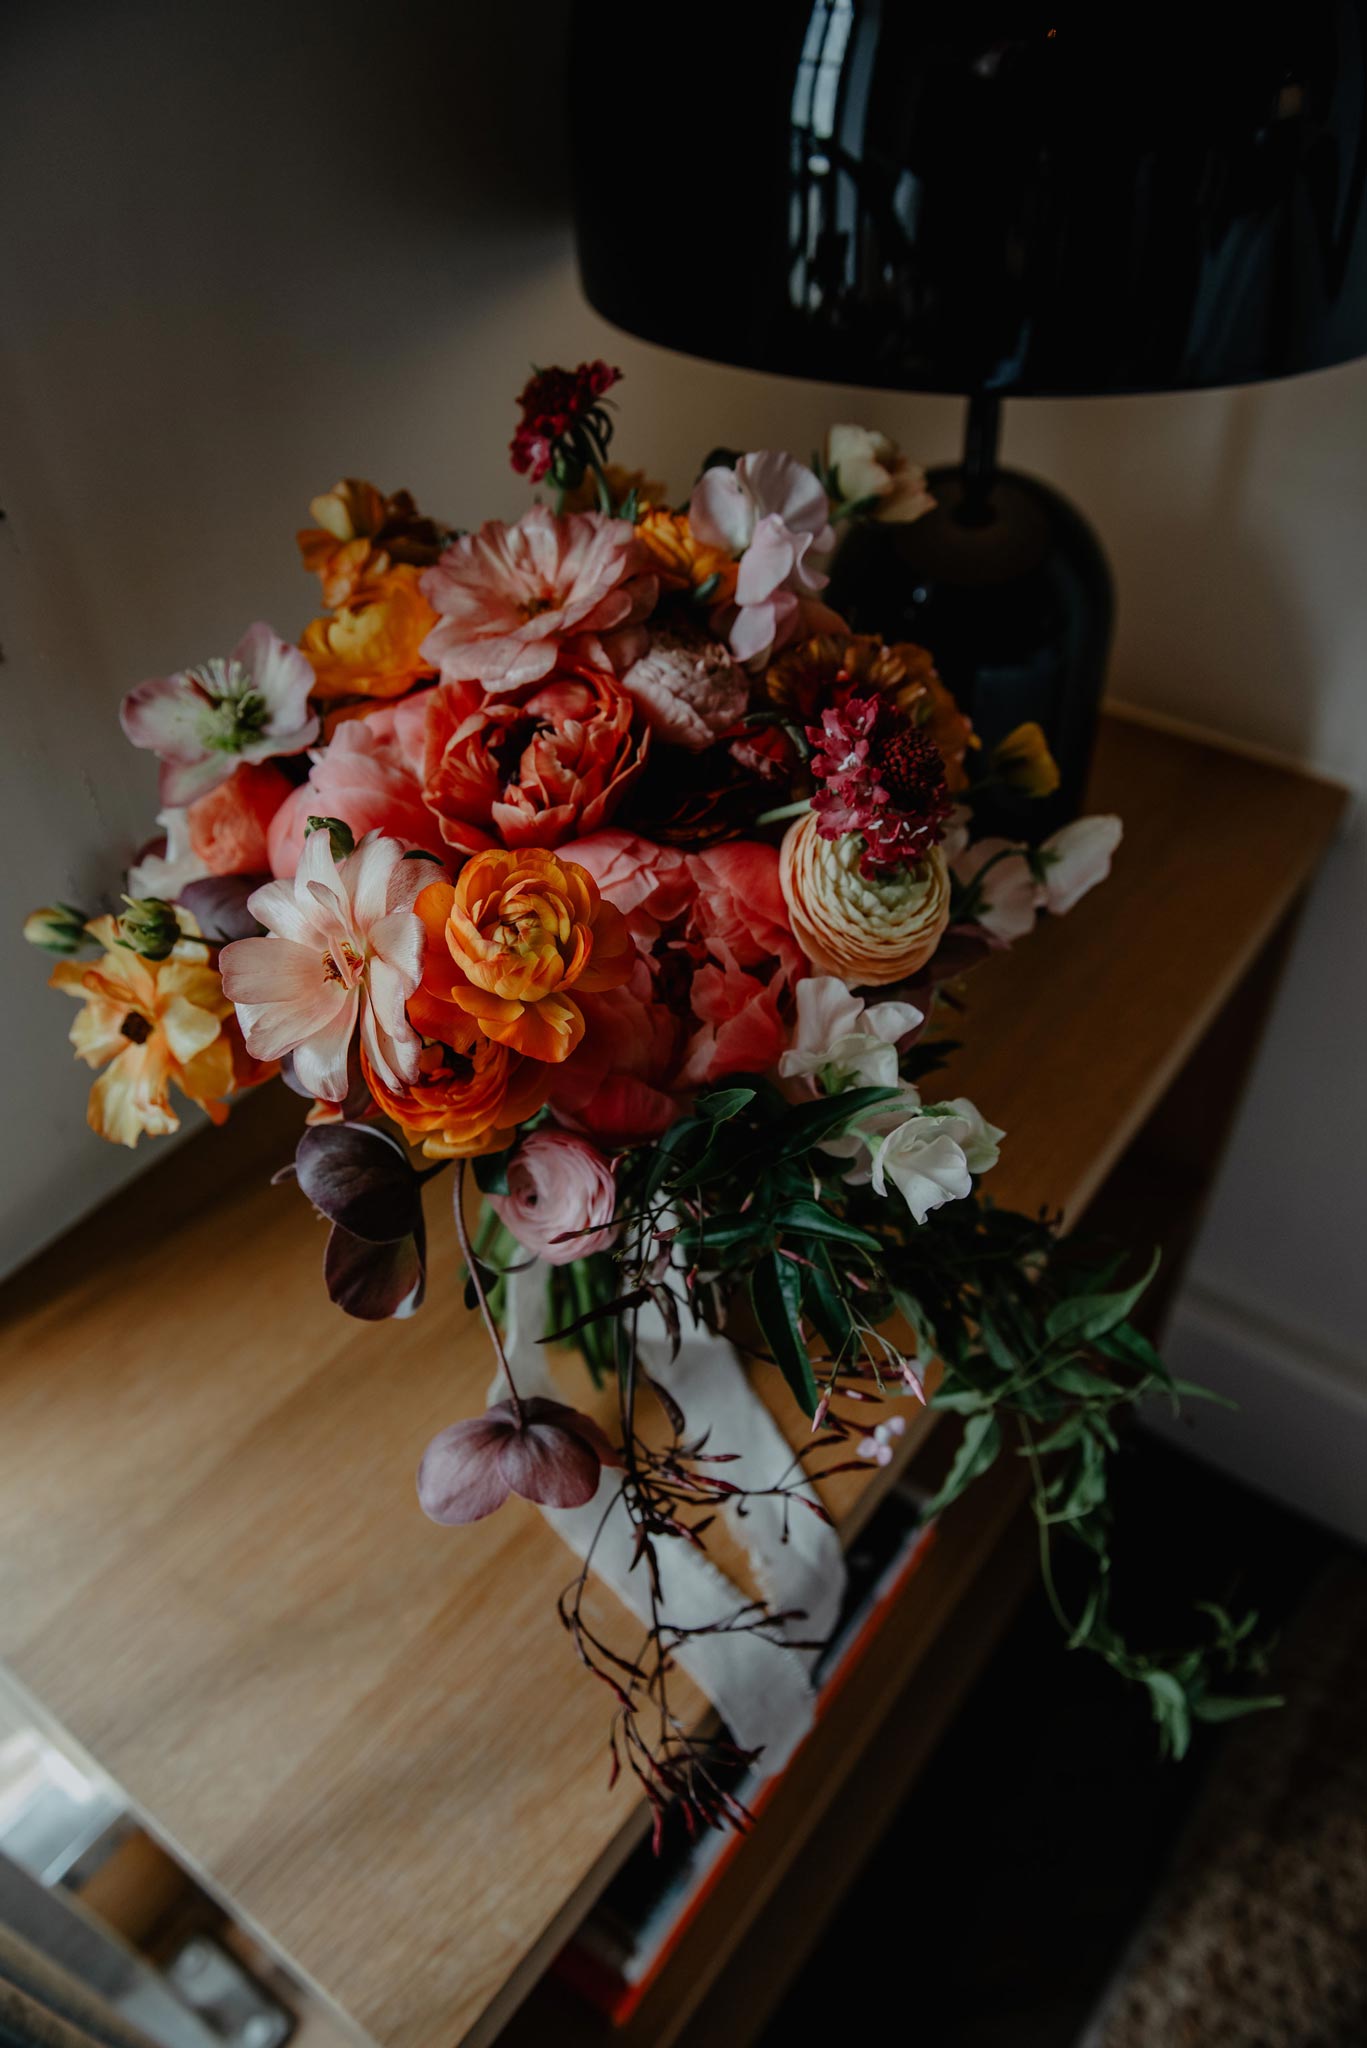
{"x": 1258, "y": 1938}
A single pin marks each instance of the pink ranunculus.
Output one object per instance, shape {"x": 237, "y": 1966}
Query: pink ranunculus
{"x": 688, "y": 688}
{"x": 344, "y": 950}
{"x": 370, "y": 777}
{"x": 561, "y": 1199}
{"x": 651, "y": 885}
{"x": 202, "y": 722}
{"x": 772, "y": 512}
{"x": 543, "y": 1450}
{"x": 531, "y": 766}
{"x": 511, "y": 597}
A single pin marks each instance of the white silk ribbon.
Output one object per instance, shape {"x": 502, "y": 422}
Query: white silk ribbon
{"x": 761, "y": 1686}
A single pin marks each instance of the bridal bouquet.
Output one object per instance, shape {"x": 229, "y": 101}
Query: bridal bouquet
{"x": 592, "y": 854}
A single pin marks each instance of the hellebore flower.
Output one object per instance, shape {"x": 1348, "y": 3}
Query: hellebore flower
{"x": 547, "y": 1452}
{"x": 201, "y": 723}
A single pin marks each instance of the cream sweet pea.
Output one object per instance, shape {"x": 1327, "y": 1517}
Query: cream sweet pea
{"x": 843, "y": 1042}
{"x": 869, "y": 929}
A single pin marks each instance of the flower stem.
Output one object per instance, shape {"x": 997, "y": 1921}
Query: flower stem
{"x": 472, "y": 1267}
{"x": 784, "y": 811}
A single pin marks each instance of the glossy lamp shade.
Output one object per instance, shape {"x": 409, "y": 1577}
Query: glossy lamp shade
{"x": 969, "y": 198}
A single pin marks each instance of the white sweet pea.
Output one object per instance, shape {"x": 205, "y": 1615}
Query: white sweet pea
{"x": 1008, "y": 891}
{"x": 870, "y": 470}
{"x": 1075, "y": 859}
{"x": 980, "y": 1140}
{"x": 843, "y": 1042}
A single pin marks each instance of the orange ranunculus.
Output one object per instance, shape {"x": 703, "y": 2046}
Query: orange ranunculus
{"x": 521, "y": 930}
{"x": 373, "y": 648}
{"x": 471, "y": 1093}
{"x": 154, "y": 1022}
{"x": 681, "y": 560}
{"x": 361, "y": 534}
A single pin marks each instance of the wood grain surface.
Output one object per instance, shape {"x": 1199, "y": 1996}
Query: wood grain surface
{"x": 369, "y": 1733}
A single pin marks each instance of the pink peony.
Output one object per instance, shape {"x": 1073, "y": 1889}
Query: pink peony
{"x": 772, "y": 512}
{"x": 201, "y": 722}
{"x": 651, "y": 885}
{"x": 345, "y": 948}
{"x": 543, "y": 1450}
{"x": 369, "y": 776}
{"x": 688, "y": 689}
{"x": 561, "y": 1199}
{"x": 740, "y": 913}
{"x": 529, "y": 766}
{"x": 617, "y": 1086}
{"x": 510, "y": 597}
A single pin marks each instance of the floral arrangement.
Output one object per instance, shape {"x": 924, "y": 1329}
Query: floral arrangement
{"x": 593, "y": 856}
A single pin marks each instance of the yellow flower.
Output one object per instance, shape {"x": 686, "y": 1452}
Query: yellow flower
{"x": 868, "y": 929}
{"x": 154, "y": 1022}
{"x": 373, "y": 648}
{"x": 1023, "y": 761}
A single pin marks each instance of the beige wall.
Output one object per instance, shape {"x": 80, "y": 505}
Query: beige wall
{"x": 245, "y": 250}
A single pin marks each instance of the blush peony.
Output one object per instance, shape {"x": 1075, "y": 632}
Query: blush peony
{"x": 370, "y": 778}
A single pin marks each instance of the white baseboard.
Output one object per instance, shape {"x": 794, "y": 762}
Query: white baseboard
{"x": 1300, "y": 1430}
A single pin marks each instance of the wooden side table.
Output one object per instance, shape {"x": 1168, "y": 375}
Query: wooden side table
{"x": 369, "y": 1735}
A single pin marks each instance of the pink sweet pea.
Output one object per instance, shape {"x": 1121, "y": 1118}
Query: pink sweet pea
{"x": 772, "y": 512}
{"x": 345, "y": 948}
{"x": 511, "y": 597}
{"x": 203, "y": 722}
{"x": 1075, "y": 859}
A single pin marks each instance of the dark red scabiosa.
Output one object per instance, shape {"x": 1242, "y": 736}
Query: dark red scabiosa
{"x": 547, "y": 1452}
{"x": 881, "y": 775}
{"x": 560, "y": 414}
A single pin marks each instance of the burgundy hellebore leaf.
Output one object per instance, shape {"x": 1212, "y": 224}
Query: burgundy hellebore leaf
{"x": 360, "y": 1177}
{"x": 218, "y": 904}
{"x": 552, "y": 1456}
{"x": 376, "y": 1281}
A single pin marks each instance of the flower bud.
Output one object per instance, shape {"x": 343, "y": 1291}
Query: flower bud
{"x": 149, "y": 927}
{"x": 340, "y": 834}
{"x": 57, "y": 928}
{"x": 1024, "y": 763}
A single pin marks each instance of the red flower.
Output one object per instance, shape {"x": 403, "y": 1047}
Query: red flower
{"x": 881, "y": 775}
{"x": 541, "y": 1449}
{"x": 554, "y": 403}
{"x": 532, "y": 766}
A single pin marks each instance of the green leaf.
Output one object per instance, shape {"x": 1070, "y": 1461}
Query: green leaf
{"x": 491, "y": 1172}
{"x": 1085, "y": 1317}
{"x": 1072, "y": 1378}
{"x": 813, "y": 1221}
{"x": 724, "y": 1102}
{"x": 1223, "y": 1707}
{"x": 982, "y": 1440}
{"x": 664, "y": 1162}
{"x": 825, "y": 1304}
{"x": 776, "y": 1293}
{"x": 804, "y": 1128}
{"x": 1170, "y": 1710}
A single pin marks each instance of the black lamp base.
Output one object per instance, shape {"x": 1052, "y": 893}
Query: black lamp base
{"x": 1008, "y": 587}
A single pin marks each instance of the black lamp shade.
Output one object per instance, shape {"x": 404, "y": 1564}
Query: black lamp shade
{"x": 965, "y": 198}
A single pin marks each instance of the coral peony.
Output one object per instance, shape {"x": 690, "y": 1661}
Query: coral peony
{"x": 772, "y": 513}
{"x": 372, "y": 647}
{"x": 522, "y": 930}
{"x": 344, "y": 950}
{"x": 651, "y": 885}
{"x": 561, "y": 1199}
{"x": 154, "y": 1022}
{"x": 203, "y": 721}
{"x": 511, "y": 596}
{"x": 869, "y": 929}
{"x": 742, "y": 1024}
{"x": 617, "y": 1086}
{"x": 532, "y": 766}
{"x": 740, "y": 913}
{"x": 369, "y": 776}
{"x": 687, "y": 688}
{"x": 228, "y": 828}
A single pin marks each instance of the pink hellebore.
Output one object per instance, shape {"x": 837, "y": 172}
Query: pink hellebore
{"x": 511, "y": 596}
{"x": 203, "y": 722}
{"x": 545, "y": 1451}
{"x": 345, "y": 947}
{"x": 772, "y": 512}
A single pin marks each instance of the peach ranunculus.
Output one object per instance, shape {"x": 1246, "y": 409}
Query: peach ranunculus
{"x": 561, "y": 1199}
{"x": 512, "y": 597}
{"x": 869, "y": 929}
{"x": 523, "y": 930}
{"x": 370, "y": 776}
{"x": 682, "y": 561}
{"x": 228, "y": 829}
{"x": 154, "y": 1022}
{"x": 470, "y": 1094}
{"x": 532, "y": 766}
{"x": 372, "y": 647}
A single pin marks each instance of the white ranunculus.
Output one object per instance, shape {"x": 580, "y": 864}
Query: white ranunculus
{"x": 1075, "y": 859}
{"x": 841, "y": 1041}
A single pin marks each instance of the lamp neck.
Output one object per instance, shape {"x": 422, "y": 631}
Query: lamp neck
{"x": 982, "y": 428}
